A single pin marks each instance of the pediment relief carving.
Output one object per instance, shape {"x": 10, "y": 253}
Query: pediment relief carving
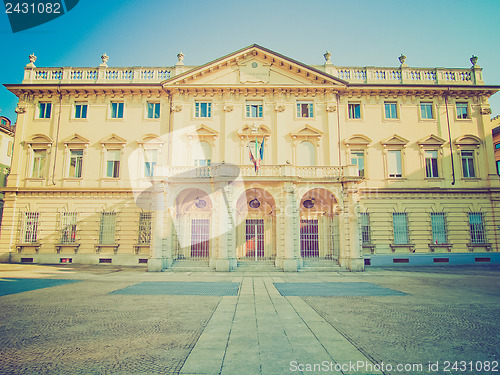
{"x": 249, "y": 131}
{"x": 254, "y": 65}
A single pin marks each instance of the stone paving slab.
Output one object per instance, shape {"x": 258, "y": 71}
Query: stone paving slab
{"x": 339, "y": 289}
{"x": 17, "y": 285}
{"x": 179, "y": 288}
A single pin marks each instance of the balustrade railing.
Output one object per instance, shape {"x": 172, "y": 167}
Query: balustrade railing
{"x": 248, "y": 171}
{"x": 367, "y": 75}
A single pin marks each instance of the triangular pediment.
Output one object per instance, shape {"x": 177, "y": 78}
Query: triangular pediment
{"x": 113, "y": 139}
{"x": 204, "y": 131}
{"x": 432, "y": 140}
{"x": 76, "y": 139}
{"x": 307, "y": 131}
{"x": 254, "y": 65}
{"x": 395, "y": 140}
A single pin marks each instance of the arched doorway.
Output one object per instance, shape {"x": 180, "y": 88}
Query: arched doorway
{"x": 193, "y": 226}
{"x": 256, "y": 235}
{"x": 319, "y": 226}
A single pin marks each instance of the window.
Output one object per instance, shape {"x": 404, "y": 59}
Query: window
{"x": 29, "y": 230}
{"x": 116, "y": 109}
{"x": 498, "y": 167}
{"x": 39, "y": 157}
{"x": 3, "y": 122}
{"x": 68, "y": 227}
{"x": 9, "y": 148}
{"x": 468, "y": 164}
{"x": 354, "y": 110}
{"x": 426, "y": 111}
{"x": 144, "y": 228}
{"x": 438, "y": 223}
{"x": 254, "y": 109}
{"x": 497, "y": 146}
{"x": 150, "y": 160}
{"x": 477, "y": 232}
{"x": 113, "y": 163}
{"x": 75, "y": 163}
{"x": 394, "y": 164}
{"x": 44, "y": 109}
{"x": 364, "y": 223}
{"x": 305, "y": 109}
{"x": 202, "y": 109}
{"x": 107, "y": 228}
{"x": 80, "y": 110}
{"x": 431, "y": 164}
{"x": 153, "y": 110}
{"x": 391, "y": 110}
{"x": 400, "y": 226}
{"x": 462, "y": 110}
{"x": 358, "y": 158}
{"x": 306, "y": 154}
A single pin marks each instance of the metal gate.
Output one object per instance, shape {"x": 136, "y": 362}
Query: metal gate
{"x": 254, "y": 239}
{"x": 309, "y": 239}
{"x": 200, "y": 238}
{"x": 192, "y": 237}
{"x": 319, "y": 238}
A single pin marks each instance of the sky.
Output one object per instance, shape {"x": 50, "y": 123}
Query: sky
{"x": 431, "y": 33}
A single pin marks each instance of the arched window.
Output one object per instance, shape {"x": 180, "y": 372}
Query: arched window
{"x": 306, "y": 154}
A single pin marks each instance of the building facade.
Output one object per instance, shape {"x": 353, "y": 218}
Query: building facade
{"x": 253, "y": 157}
{"x": 495, "y": 124}
{"x": 6, "y": 146}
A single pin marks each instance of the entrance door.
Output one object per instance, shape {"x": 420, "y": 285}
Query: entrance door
{"x": 254, "y": 239}
{"x": 200, "y": 230}
{"x": 309, "y": 238}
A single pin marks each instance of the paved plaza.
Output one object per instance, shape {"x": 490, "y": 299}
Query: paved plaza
{"x": 72, "y": 319}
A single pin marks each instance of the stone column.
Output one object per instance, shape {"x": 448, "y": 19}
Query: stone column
{"x": 350, "y": 256}
{"x": 155, "y": 261}
{"x": 291, "y": 261}
{"x": 226, "y": 229}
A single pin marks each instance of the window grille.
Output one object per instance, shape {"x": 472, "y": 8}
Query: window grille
{"x": 439, "y": 232}
{"x": 364, "y": 223}
{"x": 400, "y": 226}
{"x": 29, "y": 229}
{"x": 68, "y": 227}
{"x": 477, "y": 232}
{"x": 145, "y": 228}
{"x": 107, "y": 228}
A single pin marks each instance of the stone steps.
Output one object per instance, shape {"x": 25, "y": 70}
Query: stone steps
{"x": 320, "y": 266}
{"x": 190, "y": 266}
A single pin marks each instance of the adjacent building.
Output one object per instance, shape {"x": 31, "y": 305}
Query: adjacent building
{"x": 6, "y": 146}
{"x": 253, "y": 157}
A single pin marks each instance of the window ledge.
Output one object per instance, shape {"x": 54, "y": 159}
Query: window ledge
{"x": 370, "y": 247}
{"x": 396, "y": 178}
{"x": 470, "y": 179}
{"x": 140, "y": 247}
{"x": 410, "y": 247}
{"x": 79, "y": 119}
{"x": 434, "y": 246}
{"x": 35, "y": 245}
{"x": 487, "y": 246}
{"x": 58, "y": 246}
{"x": 434, "y": 178}
{"x": 99, "y": 247}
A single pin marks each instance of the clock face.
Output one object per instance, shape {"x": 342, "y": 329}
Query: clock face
{"x": 254, "y": 65}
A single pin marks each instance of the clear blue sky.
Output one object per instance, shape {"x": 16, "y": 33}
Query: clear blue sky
{"x": 431, "y": 33}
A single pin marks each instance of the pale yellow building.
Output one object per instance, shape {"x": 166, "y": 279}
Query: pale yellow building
{"x": 152, "y": 165}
